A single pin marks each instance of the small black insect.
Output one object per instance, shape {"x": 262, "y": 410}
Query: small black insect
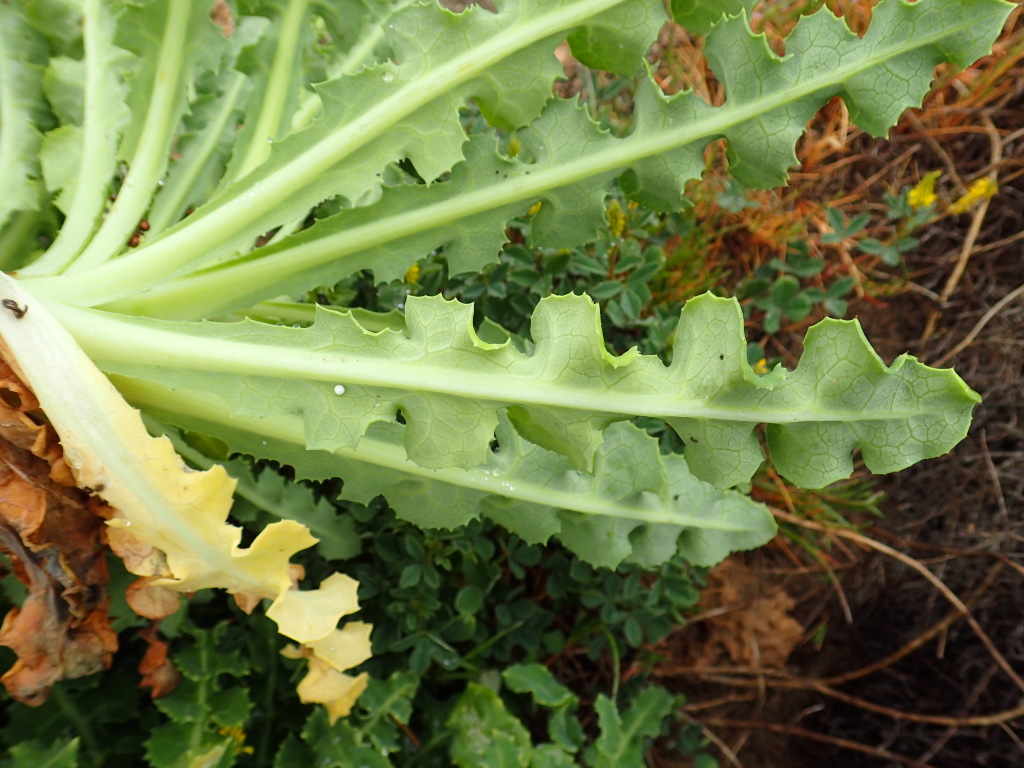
{"x": 12, "y": 305}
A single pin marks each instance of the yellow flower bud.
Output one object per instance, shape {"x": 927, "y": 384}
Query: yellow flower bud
{"x": 616, "y": 219}
{"x": 923, "y": 193}
{"x": 982, "y": 189}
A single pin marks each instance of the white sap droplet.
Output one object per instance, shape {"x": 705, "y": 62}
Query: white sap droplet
{"x": 339, "y": 389}
{"x": 388, "y": 75}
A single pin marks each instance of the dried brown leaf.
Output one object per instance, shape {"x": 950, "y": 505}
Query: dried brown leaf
{"x": 55, "y": 543}
{"x": 158, "y": 673}
{"x": 754, "y": 628}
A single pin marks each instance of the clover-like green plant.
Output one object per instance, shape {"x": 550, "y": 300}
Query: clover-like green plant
{"x": 186, "y": 165}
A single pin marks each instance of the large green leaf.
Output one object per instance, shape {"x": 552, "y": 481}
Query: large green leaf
{"x": 203, "y": 148}
{"x": 503, "y": 61}
{"x": 570, "y": 163}
{"x": 340, "y": 379}
{"x": 619, "y": 512}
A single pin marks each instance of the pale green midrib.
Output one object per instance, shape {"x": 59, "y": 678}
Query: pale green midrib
{"x": 170, "y": 201}
{"x": 110, "y": 341}
{"x": 244, "y": 206}
{"x": 87, "y": 205}
{"x": 268, "y": 124}
{"x": 139, "y": 184}
{"x": 289, "y": 428}
{"x": 497, "y": 195}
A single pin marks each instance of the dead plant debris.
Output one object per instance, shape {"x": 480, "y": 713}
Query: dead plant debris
{"x": 54, "y": 540}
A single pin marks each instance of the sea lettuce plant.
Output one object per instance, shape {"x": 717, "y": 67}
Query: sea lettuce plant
{"x": 173, "y": 183}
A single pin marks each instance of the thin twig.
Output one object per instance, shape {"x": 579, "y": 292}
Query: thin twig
{"x": 858, "y": 192}
{"x": 1000, "y": 243}
{"x": 952, "y": 730}
{"x": 792, "y": 730}
{"x": 937, "y": 148}
{"x": 732, "y": 698}
{"x": 931, "y": 577}
{"x": 972, "y": 235}
{"x": 918, "y": 641}
{"x": 1013, "y": 736}
{"x": 727, "y": 753}
{"x": 1004, "y": 515}
{"x": 1013, "y": 136}
{"x": 986, "y": 553}
{"x": 775, "y": 679}
{"x": 829, "y": 573}
{"x": 994, "y": 310}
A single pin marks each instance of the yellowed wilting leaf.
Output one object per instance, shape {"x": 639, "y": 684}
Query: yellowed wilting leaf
{"x": 325, "y": 682}
{"x": 313, "y": 614}
{"x": 168, "y": 521}
{"x": 346, "y": 647}
{"x": 335, "y": 690}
